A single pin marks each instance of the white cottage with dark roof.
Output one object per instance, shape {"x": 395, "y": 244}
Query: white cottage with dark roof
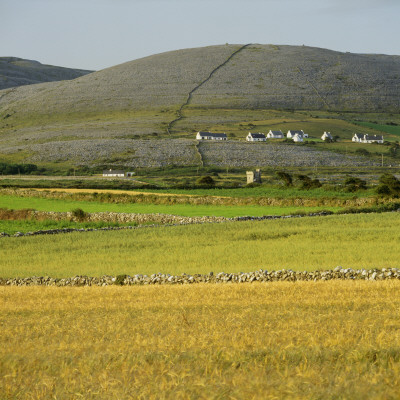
{"x": 327, "y": 136}
{"x": 210, "y": 136}
{"x": 256, "y": 137}
{"x": 114, "y": 173}
{"x": 364, "y": 138}
{"x": 292, "y": 133}
{"x": 275, "y": 135}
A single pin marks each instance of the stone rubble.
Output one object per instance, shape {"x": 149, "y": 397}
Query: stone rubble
{"x": 261, "y": 275}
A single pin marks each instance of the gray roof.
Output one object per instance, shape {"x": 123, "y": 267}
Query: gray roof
{"x": 359, "y": 135}
{"x": 212, "y": 134}
{"x": 257, "y": 135}
{"x": 298, "y": 132}
{"x": 373, "y": 137}
{"x": 114, "y": 171}
{"x": 276, "y": 132}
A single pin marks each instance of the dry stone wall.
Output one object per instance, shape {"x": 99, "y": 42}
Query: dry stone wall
{"x": 339, "y": 273}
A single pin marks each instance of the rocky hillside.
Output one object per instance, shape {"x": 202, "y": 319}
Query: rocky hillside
{"x": 129, "y": 114}
{"x": 258, "y": 76}
{"x": 18, "y": 72}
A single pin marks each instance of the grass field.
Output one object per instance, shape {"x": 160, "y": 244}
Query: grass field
{"x": 304, "y": 340}
{"x": 310, "y": 243}
{"x": 190, "y": 210}
{"x": 13, "y": 226}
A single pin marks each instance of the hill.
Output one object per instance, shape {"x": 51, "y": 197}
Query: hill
{"x": 16, "y": 71}
{"x": 232, "y": 88}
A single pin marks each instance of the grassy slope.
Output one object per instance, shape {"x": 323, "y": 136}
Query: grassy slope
{"x": 282, "y": 340}
{"x": 311, "y": 243}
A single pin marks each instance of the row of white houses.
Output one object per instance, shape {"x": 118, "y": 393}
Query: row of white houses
{"x": 296, "y": 136}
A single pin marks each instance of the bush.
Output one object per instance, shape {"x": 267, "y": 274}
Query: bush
{"x": 389, "y": 185}
{"x": 354, "y": 184}
{"x": 79, "y": 214}
{"x": 285, "y": 177}
{"x": 206, "y": 181}
{"x": 308, "y": 183}
{"x": 383, "y": 190}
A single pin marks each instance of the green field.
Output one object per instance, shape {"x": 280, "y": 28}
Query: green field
{"x": 190, "y": 210}
{"x": 310, "y": 243}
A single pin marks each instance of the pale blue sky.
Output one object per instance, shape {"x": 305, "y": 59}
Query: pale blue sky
{"x": 95, "y": 34}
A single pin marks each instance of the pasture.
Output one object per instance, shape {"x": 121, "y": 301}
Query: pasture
{"x": 309, "y": 243}
{"x": 304, "y": 340}
{"x": 189, "y": 210}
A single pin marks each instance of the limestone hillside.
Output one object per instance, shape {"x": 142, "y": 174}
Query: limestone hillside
{"x": 258, "y": 76}
{"x": 18, "y": 72}
{"x": 128, "y": 115}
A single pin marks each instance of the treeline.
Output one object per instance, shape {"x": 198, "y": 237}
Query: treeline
{"x": 15, "y": 169}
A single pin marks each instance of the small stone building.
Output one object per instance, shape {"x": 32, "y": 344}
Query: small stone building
{"x": 253, "y": 176}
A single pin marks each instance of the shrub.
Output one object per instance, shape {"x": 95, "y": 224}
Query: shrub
{"x": 353, "y": 184}
{"x": 285, "y": 177}
{"x": 79, "y": 214}
{"x": 383, "y": 190}
{"x": 389, "y": 185}
{"x": 206, "y": 181}
{"x": 308, "y": 183}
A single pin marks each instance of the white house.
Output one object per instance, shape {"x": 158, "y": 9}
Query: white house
{"x": 373, "y": 139}
{"x": 275, "y": 135}
{"x": 358, "y": 137}
{"x": 256, "y": 137}
{"x": 114, "y": 173}
{"x": 364, "y": 138}
{"x": 327, "y": 135}
{"x": 301, "y": 133}
{"x": 297, "y": 138}
{"x": 210, "y": 136}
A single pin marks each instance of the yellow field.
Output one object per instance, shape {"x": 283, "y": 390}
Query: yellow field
{"x": 112, "y": 191}
{"x": 304, "y": 340}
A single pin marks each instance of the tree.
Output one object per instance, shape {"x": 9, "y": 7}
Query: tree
{"x": 388, "y": 185}
{"x": 353, "y": 184}
{"x": 285, "y": 177}
{"x": 308, "y": 183}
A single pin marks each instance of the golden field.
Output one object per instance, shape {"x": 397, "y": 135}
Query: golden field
{"x": 303, "y": 340}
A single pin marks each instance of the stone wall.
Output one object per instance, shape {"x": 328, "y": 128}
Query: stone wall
{"x": 338, "y": 273}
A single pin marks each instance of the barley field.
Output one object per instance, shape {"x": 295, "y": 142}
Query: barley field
{"x": 309, "y": 243}
{"x": 303, "y": 340}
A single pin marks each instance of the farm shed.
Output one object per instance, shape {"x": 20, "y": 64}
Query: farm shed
{"x": 210, "y": 136}
{"x": 256, "y": 137}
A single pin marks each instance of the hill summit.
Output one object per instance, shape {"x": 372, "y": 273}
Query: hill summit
{"x": 250, "y": 76}
{"x": 16, "y": 71}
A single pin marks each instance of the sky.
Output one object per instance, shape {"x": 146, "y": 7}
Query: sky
{"x": 96, "y": 34}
